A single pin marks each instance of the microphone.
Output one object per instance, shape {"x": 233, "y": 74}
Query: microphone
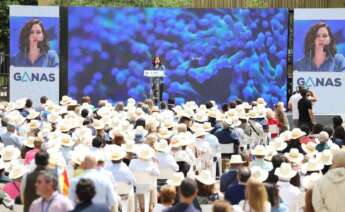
{"x": 327, "y": 50}
{"x": 40, "y": 44}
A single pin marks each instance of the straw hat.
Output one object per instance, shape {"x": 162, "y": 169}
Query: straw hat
{"x": 98, "y": 124}
{"x": 296, "y": 133}
{"x": 34, "y": 124}
{"x": 130, "y": 147}
{"x": 200, "y": 117}
{"x": 309, "y": 181}
{"x": 270, "y": 153}
{"x": 294, "y": 156}
{"x": 325, "y": 157}
{"x": 20, "y": 103}
{"x": 9, "y": 153}
{"x": 53, "y": 117}
{"x": 278, "y": 144}
{"x": 200, "y": 132}
{"x": 65, "y": 125}
{"x": 285, "y": 171}
{"x": 117, "y": 153}
{"x": 162, "y": 146}
{"x": 164, "y": 133}
{"x": 33, "y": 114}
{"x": 65, "y": 100}
{"x": 213, "y": 113}
{"x": 207, "y": 126}
{"x": 29, "y": 142}
{"x": 246, "y": 105}
{"x": 259, "y": 150}
{"x": 261, "y": 101}
{"x": 17, "y": 171}
{"x": 10, "y": 107}
{"x": 286, "y": 135}
{"x": 236, "y": 159}
{"x": 66, "y": 140}
{"x": 205, "y": 177}
{"x": 145, "y": 152}
{"x": 258, "y": 173}
{"x": 176, "y": 179}
{"x": 232, "y": 122}
{"x": 252, "y": 114}
{"x": 312, "y": 165}
{"x": 309, "y": 148}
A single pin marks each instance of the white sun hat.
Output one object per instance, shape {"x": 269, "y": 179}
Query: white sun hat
{"x": 116, "y": 152}
{"x": 176, "y": 179}
{"x": 236, "y": 159}
{"x": 34, "y": 124}
{"x": 162, "y": 146}
{"x": 10, "y": 153}
{"x": 66, "y": 140}
{"x": 296, "y": 133}
{"x": 294, "y": 156}
{"x": 17, "y": 171}
{"x": 140, "y": 130}
{"x": 278, "y": 144}
{"x": 285, "y": 171}
{"x": 309, "y": 181}
{"x": 205, "y": 177}
{"x": 145, "y": 152}
{"x": 312, "y": 165}
{"x": 260, "y": 150}
{"x": 309, "y": 148}
{"x": 325, "y": 157}
{"x": 258, "y": 173}
{"x": 164, "y": 133}
{"x": 33, "y": 114}
{"x": 29, "y": 141}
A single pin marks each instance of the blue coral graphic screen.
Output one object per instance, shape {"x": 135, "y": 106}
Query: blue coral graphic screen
{"x": 209, "y": 54}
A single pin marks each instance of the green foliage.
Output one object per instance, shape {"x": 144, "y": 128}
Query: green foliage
{"x": 257, "y": 3}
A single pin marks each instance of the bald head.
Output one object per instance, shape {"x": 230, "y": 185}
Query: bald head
{"x": 90, "y": 162}
{"x": 339, "y": 159}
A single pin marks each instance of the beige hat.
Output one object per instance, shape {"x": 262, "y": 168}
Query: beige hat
{"x": 278, "y": 144}
{"x": 66, "y": 140}
{"x": 296, "y": 133}
{"x": 176, "y": 179}
{"x": 20, "y": 103}
{"x": 270, "y": 153}
{"x": 65, "y": 125}
{"x": 33, "y": 114}
{"x": 17, "y": 171}
{"x": 98, "y": 124}
{"x": 34, "y": 124}
{"x": 200, "y": 116}
{"x": 312, "y": 165}
{"x": 164, "y": 133}
{"x": 294, "y": 156}
{"x": 285, "y": 171}
{"x": 323, "y": 137}
{"x": 286, "y": 135}
{"x": 116, "y": 152}
{"x": 141, "y": 130}
{"x": 325, "y": 157}
{"x": 65, "y": 100}
{"x": 10, "y": 107}
{"x": 252, "y": 114}
{"x": 207, "y": 126}
{"x": 53, "y": 117}
{"x": 200, "y": 132}
{"x": 246, "y": 105}
{"x": 10, "y": 153}
{"x": 261, "y": 101}
{"x": 259, "y": 150}
{"x": 213, "y": 113}
{"x": 236, "y": 159}
{"x": 309, "y": 181}
{"x": 232, "y": 122}
{"x": 205, "y": 177}
{"x": 29, "y": 141}
{"x": 258, "y": 173}
{"x": 162, "y": 146}
{"x": 130, "y": 147}
{"x": 145, "y": 152}
{"x": 309, "y": 148}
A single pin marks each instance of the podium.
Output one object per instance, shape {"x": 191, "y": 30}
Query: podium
{"x": 156, "y": 80}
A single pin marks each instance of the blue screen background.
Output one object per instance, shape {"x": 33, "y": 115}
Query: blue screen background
{"x": 209, "y": 54}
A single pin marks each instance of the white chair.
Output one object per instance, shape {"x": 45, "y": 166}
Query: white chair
{"x": 128, "y": 204}
{"x": 227, "y": 148}
{"x": 206, "y": 208}
{"x": 149, "y": 182}
{"x": 165, "y": 174}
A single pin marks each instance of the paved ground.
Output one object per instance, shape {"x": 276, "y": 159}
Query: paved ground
{"x": 17, "y": 208}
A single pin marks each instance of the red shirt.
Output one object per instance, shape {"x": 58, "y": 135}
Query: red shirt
{"x": 273, "y": 127}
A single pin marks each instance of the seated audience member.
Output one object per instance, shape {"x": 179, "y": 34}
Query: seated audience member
{"x": 50, "y": 198}
{"x": 221, "y": 206}
{"x": 230, "y": 177}
{"x": 167, "y": 196}
{"x": 273, "y": 196}
{"x": 260, "y": 152}
{"x": 13, "y": 188}
{"x": 85, "y": 191}
{"x": 337, "y": 121}
{"x": 205, "y": 182}
{"x": 339, "y": 136}
{"x": 236, "y": 192}
{"x": 256, "y": 198}
{"x": 323, "y": 138}
{"x": 328, "y": 193}
{"x": 288, "y": 193}
{"x": 188, "y": 192}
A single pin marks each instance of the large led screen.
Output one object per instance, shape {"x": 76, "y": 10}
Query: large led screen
{"x": 209, "y": 54}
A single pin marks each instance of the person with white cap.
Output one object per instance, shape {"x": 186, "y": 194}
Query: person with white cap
{"x": 329, "y": 191}
{"x": 118, "y": 168}
{"x": 164, "y": 157}
{"x": 206, "y": 188}
{"x": 288, "y": 193}
{"x": 260, "y": 153}
{"x": 230, "y": 177}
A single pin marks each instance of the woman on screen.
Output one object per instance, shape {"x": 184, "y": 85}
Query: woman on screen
{"x": 34, "y": 47}
{"x": 320, "y": 52}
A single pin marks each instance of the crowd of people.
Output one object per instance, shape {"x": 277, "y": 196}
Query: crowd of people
{"x": 74, "y": 156}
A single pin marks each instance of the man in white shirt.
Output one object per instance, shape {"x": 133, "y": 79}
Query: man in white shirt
{"x": 164, "y": 156}
{"x": 293, "y": 106}
{"x": 105, "y": 192}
